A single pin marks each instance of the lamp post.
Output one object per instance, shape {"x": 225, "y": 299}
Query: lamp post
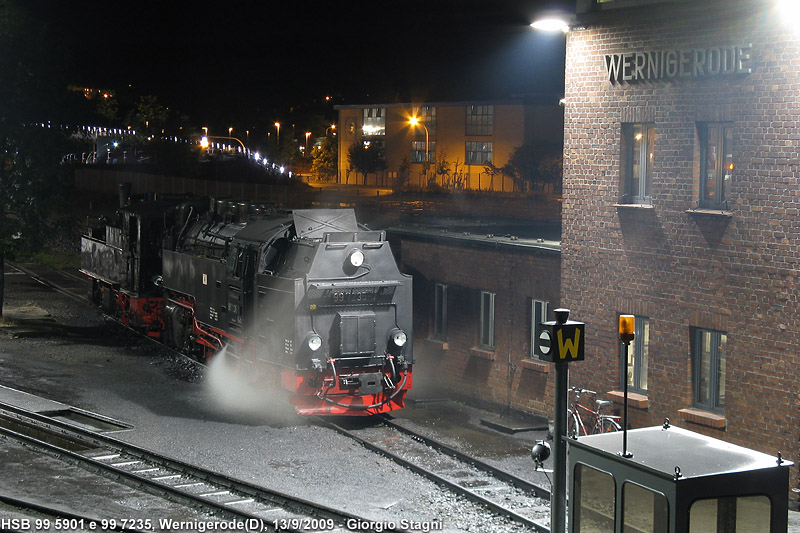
{"x": 414, "y": 121}
{"x": 278, "y": 136}
{"x": 331, "y": 127}
{"x": 308, "y": 134}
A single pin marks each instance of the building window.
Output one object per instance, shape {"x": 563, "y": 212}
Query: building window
{"x": 440, "y": 312}
{"x": 487, "y": 320}
{"x": 374, "y": 121}
{"x": 478, "y": 153}
{"x": 538, "y": 315}
{"x": 419, "y": 149}
{"x": 638, "y": 355}
{"x": 480, "y": 120}
{"x": 709, "y": 369}
{"x": 425, "y": 114}
{"x": 638, "y": 144}
{"x": 716, "y": 163}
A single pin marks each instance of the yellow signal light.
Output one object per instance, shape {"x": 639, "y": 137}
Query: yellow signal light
{"x": 626, "y": 328}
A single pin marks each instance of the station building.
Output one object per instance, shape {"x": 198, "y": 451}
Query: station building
{"x": 681, "y": 206}
{"x": 467, "y": 135}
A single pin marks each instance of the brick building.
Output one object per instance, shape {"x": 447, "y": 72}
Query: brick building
{"x": 476, "y": 300}
{"x": 681, "y": 206}
{"x": 467, "y": 135}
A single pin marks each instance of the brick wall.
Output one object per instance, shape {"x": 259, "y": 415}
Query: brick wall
{"x": 736, "y": 272}
{"x": 500, "y": 376}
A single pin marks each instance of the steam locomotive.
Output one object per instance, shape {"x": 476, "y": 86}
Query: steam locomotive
{"x": 307, "y": 296}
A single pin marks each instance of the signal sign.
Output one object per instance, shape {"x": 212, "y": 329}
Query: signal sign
{"x": 561, "y": 341}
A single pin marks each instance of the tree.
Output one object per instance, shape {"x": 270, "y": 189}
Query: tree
{"x": 532, "y": 167}
{"x": 403, "y": 172}
{"x": 31, "y": 92}
{"x": 366, "y": 159}
{"x": 325, "y": 160}
{"x": 148, "y": 116}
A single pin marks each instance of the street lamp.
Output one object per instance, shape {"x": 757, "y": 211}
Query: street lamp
{"x": 308, "y": 133}
{"x": 278, "y": 137}
{"x": 331, "y": 127}
{"x": 414, "y": 121}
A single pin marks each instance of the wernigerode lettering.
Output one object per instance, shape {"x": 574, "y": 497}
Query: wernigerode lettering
{"x": 681, "y": 63}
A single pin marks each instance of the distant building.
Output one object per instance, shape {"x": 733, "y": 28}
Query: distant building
{"x": 681, "y": 206}
{"x": 468, "y": 135}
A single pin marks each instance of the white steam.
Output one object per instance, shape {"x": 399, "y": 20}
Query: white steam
{"x": 236, "y": 388}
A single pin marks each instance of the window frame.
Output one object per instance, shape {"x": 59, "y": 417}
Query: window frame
{"x": 716, "y": 400}
{"x": 484, "y": 148}
{"x": 537, "y": 317}
{"x": 639, "y": 351}
{"x": 440, "y": 311}
{"x": 640, "y": 166}
{"x": 373, "y": 122}
{"x": 479, "y": 120}
{"x": 486, "y": 337}
{"x": 418, "y": 150}
{"x": 722, "y": 135}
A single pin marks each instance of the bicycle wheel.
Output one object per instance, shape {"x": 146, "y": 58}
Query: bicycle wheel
{"x": 607, "y": 425}
{"x": 573, "y": 425}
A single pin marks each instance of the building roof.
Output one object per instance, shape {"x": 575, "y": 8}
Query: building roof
{"x": 493, "y": 233}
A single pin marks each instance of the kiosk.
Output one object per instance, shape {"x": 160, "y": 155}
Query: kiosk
{"x": 674, "y": 480}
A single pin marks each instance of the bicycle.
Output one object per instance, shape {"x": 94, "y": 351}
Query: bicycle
{"x": 602, "y": 423}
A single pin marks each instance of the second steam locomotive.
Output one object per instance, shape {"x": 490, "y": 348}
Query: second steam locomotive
{"x": 306, "y": 295}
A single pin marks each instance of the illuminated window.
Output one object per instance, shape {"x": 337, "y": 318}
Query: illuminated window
{"x": 419, "y": 149}
{"x": 538, "y": 315}
{"x": 709, "y": 369}
{"x": 440, "y": 312}
{"x": 480, "y": 120}
{"x": 487, "y": 320}
{"x": 638, "y": 355}
{"x": 374, "y": 121}
{"x": 638, "y": 143}
{"x": 716, "y": 163}
{"x": 478, "y": 153}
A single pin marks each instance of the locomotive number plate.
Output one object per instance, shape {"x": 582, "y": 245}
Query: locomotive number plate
{"x": 331, "y": 295}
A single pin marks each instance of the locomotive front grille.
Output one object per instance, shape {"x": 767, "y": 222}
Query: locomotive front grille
{"x": 356, "y": 333}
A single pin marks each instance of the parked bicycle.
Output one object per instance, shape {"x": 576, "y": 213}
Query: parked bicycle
{"x": 597, "y": 421}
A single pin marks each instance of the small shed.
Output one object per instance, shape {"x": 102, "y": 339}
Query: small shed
{"x": 674, "y": 480}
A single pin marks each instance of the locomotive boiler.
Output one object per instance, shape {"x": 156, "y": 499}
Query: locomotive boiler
{"x": 305, "y": 297}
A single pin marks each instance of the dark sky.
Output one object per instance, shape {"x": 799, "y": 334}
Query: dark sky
{"x": 239, "y": 61}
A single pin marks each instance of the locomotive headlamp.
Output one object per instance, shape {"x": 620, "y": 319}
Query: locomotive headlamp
{"x": 398, "y": 337}
{"x": 356, "y": 258}
{"x": 314, "y": 342}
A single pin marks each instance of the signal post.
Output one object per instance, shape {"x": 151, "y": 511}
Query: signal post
{"x": 560, "y": 342}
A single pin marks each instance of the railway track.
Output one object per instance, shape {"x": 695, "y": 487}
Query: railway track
{"x": 501, "y": 492}
{"x": 231, "y": 499}
{"x": 505, "y": 494}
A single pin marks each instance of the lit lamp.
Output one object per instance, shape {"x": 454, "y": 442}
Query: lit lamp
{"x": 278, "y": 136}
{"x": 308, "y": 133}
{"x": 627, "y": 324}
{"x": 551, "y": 24}
{"x": 204, "y": 142}
{"x": 414, "y": 121}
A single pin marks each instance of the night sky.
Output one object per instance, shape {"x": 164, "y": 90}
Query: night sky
{"x": 248, "y": 62}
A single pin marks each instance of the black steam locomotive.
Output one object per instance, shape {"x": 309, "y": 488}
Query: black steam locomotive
{"x": 307, "y": 295}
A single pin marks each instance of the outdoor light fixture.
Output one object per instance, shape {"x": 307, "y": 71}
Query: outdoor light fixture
{"x": 552, "y": 24}
{"x": 356, "y": 258}
{"x": 789, "y": 9}
{"x": 314, "y": 342}
{"x": 204, "y": 142}
{"x": 398, "y": 337}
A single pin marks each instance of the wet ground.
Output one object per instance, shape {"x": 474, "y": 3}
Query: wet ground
{"x": 64, "y": 351}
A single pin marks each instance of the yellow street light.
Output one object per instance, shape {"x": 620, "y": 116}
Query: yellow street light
{"x": 308, "y": 134}
{"x": 278, "y": 137}
{"x": 414, "y": 121}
